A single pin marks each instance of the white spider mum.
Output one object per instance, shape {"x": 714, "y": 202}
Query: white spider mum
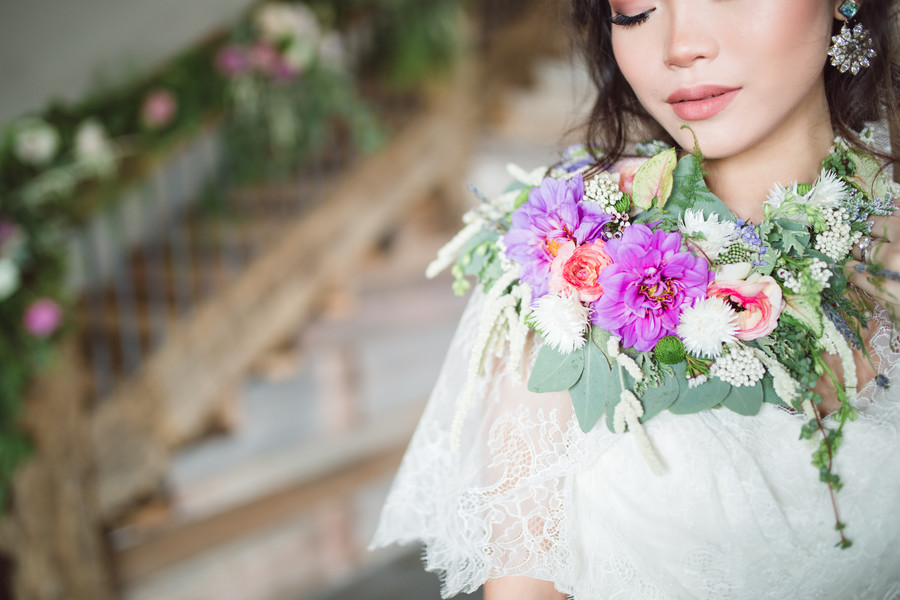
{"x": 707, "y": 325}
{"x": 776, "y": 197}
{"x": 716, "y": 235}
{"x": 829, "y": 191}
{"x": 562, "y": 321}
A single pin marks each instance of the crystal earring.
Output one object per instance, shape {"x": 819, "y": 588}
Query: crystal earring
{"x": 852, "y": 48}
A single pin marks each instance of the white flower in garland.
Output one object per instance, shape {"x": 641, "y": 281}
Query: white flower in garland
{"x": 36, "y": 142}
{"x": 561, "y": 321}
{"x": 93, "y": 148}
{"x": 710, "y": 235}
{"x": 829, "y": 190}
{"x": 9, "y": 277}
{"x": 739, "y": 367}
{"x": 706, "y": 326}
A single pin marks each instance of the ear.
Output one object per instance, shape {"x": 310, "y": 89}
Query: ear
{"x": 844, "y": 10}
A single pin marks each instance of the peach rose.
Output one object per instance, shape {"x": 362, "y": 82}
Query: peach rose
{"x": 575, "y": 269}
{"x": 757, "y": 301}
{"x": 627, "y": 168}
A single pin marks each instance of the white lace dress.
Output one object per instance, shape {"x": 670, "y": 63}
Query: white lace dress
{"x": 739, "y": 512}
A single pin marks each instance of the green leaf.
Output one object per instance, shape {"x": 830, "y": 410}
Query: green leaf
{"x": 805, "y": 310}
{"x": 769, "y": 393}
{"x": 794, "y": 236}
{"x": 704, "y": 396}
{"x": 554, "y": 371}
{"x": 658, "y": 399}
{"x": 653, "y": 180}
{"x": 600, "y": 337}
{"x": 591, "y": 392}
{"x": 745, "y": 400}
{"x": 690, "y": 191}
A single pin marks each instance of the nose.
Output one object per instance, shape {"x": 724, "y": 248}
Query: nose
{"x": 689, "y": 39}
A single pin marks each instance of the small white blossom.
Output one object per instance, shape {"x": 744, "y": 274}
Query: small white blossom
{"x": 707, "y": 325}
{"x": 561, "y": 321}
{"x": 604, "y": 191}
{"x": 785, "y": 386}
{"x": 612, "y": 346}
{"x": 36, "y": 142}
{"x": 791, "y": 281}
{"x": 739, "y": 367}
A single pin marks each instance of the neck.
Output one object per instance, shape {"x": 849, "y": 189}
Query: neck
{"x": 794, "y": 153}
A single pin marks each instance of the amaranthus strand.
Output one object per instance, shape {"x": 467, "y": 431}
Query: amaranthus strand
{"x": 844, "y": 543}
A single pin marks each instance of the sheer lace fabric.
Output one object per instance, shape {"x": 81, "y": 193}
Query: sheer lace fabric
{"x": 738, "y": 513}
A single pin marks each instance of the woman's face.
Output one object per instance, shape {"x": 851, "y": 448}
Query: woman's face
{"x": 741, "y": 73}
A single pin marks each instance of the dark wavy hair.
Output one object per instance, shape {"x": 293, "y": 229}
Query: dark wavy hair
{"x": 617, "y": 117}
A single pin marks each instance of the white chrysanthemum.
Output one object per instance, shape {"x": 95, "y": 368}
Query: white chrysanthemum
{"x": 777, "y": 195}
{"x": 829, "y": 190}
{"x": 716, "y": 235}
{"x": 562, "y": 322}
{"x": 707, "y": 325}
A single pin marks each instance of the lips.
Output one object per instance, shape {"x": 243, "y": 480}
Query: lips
{"x": 701, "y": 102}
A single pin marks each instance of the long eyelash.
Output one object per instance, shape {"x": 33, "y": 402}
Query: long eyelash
{"x": 631, "y": 21}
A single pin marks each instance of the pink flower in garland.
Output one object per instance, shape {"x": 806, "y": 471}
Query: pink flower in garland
{"x": 552, "y": 216}
{"x": 159, "y": 109}
{"x": 650, "y": 281}
{"x": 42, "y": 318}
{"x": 232, "y": 60}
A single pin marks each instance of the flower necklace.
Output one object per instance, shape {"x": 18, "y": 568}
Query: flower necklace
{"x": 650, "y": 295}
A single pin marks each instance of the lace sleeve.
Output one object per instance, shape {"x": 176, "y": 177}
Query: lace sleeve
{"x": 497, "y": 506}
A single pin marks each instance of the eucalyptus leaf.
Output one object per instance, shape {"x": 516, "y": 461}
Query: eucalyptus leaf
{"x": 590, "y": 392}
{"x": 658, "y": 399}
{"x": 769, "y": 393}
{"x": 554, "y": 371}
{"x": 745, "y": 400}
{"x": 600, "y": 337}
{"x": 702, "y": 397}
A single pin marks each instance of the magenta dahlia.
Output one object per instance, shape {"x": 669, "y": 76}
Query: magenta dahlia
{"x": 552, "y": 216}
{"x": 650, "y": 281}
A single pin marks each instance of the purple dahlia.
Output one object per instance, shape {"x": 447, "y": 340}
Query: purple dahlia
{"x": 552, "y": 216}
{"x": 650, "y": 281}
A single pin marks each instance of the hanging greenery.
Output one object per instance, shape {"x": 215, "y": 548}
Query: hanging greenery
{"x": 280, "y": 84}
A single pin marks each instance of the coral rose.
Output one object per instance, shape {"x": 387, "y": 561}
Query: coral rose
{"x": 575, "y": 269}
{"x": 757, "y": 300}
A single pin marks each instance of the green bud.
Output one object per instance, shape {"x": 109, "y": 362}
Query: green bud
{"x": 803, "y": 188}
{"x": 623, "y": 204}
{"x": 669, "y": 350}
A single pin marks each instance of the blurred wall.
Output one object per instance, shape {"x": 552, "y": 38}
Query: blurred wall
{"x": 57, "y": 48}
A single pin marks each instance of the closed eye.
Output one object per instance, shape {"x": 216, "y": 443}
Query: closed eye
{"x": 631, "y": 21}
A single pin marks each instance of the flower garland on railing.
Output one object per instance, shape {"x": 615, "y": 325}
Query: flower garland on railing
{"x": 277, "y": 85}
{"x": 650, "y": 295}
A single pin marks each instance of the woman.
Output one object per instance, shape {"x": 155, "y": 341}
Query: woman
{"x": 520, "y": 498}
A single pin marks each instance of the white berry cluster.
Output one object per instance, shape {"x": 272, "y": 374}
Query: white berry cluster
{"x": 739, "y": 367}
{"x": 836, "y": 240}
{"x": 819, "y": 272}
{"x": 604, "y": 190}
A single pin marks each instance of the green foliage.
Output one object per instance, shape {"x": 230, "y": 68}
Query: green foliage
{"x": 597, "y": 387}
{"x": 669, "y": 350}
{"x": 555, "y": 372}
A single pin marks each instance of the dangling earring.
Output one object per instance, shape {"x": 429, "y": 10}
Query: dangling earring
{"x": 851, "y": 49}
